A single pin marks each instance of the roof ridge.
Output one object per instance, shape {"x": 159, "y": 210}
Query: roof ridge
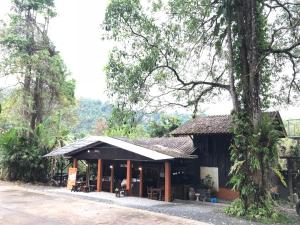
{"x": 207, "y": 116}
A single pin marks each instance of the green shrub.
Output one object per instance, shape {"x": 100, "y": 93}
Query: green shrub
{"x": 21, "y": 157}
{"x": 268, "y": 214}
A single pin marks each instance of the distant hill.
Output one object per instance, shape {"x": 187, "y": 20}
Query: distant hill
{"x": 88, "y": 112}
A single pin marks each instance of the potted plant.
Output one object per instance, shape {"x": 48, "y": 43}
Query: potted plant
{"x": 206, "y": 188}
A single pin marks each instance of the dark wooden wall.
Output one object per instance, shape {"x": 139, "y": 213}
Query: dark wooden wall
{"x": 108, "y": 152}
{"x": 213, "y": 151}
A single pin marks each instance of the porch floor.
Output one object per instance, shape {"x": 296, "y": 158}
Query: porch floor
{"x": 107, "y": 197}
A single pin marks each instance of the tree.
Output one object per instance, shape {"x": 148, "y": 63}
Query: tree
{"x": 30, "y": 56}
{"x": 35, "y": 114}
{"x": 100, "y": 126}
{"x": 164, "y": 126}
{"x": 121, "y": 116}
{"x": 186, "y": 52}
{"x": 125, "y": 122}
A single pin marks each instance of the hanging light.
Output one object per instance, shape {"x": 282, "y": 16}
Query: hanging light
{"x": 111, "y": 166}
{"x": 140, "y": 168}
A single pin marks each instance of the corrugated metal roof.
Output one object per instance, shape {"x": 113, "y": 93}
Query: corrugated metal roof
{"x": 77, "y": 145}
{"x": 92, "y": 141}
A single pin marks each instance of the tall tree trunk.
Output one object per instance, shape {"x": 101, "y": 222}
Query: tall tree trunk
{"x": 253, "y": 57}
{"x": 249, "y": 55}
{"x": 37, "y": 109}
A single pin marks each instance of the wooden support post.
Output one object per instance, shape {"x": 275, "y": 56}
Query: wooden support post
{"x": 99, "y": 175}
{"x": 75, "y": 163}
{"x": 111, "y": 178}
{"x": 168, "y": 193}
{"x": 87, "y": 174}
{"x": 128, "y": 177}
{"x": 141, "y": 182}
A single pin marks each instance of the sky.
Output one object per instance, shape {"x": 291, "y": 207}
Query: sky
{"x": 76, "y": 33}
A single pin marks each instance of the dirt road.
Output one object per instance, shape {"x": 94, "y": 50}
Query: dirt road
{"x": 20, "y": 206}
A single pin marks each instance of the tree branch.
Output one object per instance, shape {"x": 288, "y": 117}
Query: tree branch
{"x": 284, "y": 50}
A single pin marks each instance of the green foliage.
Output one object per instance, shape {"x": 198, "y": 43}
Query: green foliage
{"x": 153, "y": 49}
{"x": 129, "y": 132}
{"x": 122, "y": 116}
{"x": 207, "y": 182}
{"x": 21, "y": 158}
{"x": 37, "y": 113}
{"x": 292, "y": 127}
{"x": 164, "y": 126}
{"x": 30, "y": 57}
{"x": 280, "y": 176}
{"x": 266, "y": 215}
{"x": 125, "y": 122}
{"x": 288, "y": 147}
{"x": 255, "y": 157}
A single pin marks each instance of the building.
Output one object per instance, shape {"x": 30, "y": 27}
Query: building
{"x": 170, "y": 166}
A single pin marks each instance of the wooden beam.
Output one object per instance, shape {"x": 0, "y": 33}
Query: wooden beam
{"x": 75, "y": 163}
{"x": 112, "y": 174}
{"x": 141, "y": 182}
{"x": 168, "y": 194}
{"x": 128, "y": 177}
{"x": 99, "y": 175}
{"x": 87, "y": 173}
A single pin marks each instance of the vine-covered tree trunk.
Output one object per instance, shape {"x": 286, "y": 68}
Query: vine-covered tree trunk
{"x": 250, "y": 58}
{"x": 184, "y": 57}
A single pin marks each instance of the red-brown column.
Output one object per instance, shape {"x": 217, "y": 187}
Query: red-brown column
{"x": 141, "y": 182}
{"x": 112, "y": 178}
{"x": 99, "y": 176}
{"x": 168, "y": 193}
{"x": 75, "y": 163}
{"x": 128, "y": 177}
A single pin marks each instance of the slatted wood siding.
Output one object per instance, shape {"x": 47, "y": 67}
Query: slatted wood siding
{"x": 213, "y": 151}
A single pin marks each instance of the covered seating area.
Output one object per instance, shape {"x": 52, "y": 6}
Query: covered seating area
{"x": 128, "y": 167}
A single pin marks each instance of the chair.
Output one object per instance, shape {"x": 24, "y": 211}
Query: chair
{"x": 121, "y": 191}
{"x": 152, "y": 194}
